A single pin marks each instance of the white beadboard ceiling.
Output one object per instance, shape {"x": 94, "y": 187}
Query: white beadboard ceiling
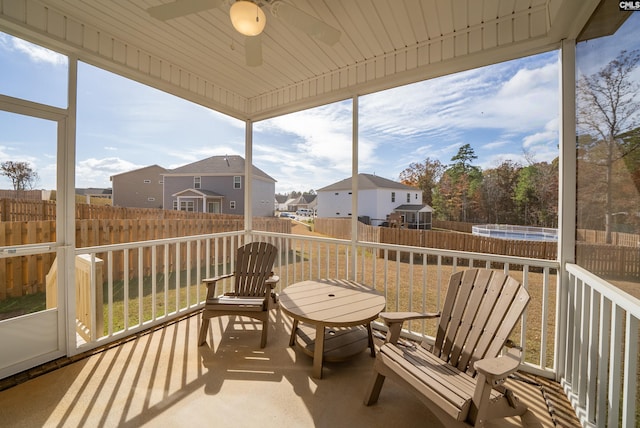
{"x": 383, "y": 44}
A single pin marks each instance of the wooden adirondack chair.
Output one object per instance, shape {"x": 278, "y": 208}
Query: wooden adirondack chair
{"x": 460, "y": 377}
{"x": 253, "y": 289}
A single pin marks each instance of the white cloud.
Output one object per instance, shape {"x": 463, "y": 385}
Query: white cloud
{"x": 34, "y": 52}
{"x": 94, "y": 172}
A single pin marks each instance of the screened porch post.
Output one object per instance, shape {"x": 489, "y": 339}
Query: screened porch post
{"x": 248, "y": 188}
{"x": 354, "y": 187}
{"x": 566, "y": 193}
{"x": 65, "y": 211}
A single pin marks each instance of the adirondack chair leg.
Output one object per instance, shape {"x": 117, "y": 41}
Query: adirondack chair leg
{"x": 485, "y": 409}
{"x": 373, "y": 391}
{"x": 265, "y": 330}
{"x": 204, "y": 329}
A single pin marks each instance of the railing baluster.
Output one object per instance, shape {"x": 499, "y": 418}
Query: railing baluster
{"x": 630, "y": 370}
{"x": 140, "y": 286}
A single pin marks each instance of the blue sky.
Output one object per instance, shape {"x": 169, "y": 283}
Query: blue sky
{"x": 503, "y": 111}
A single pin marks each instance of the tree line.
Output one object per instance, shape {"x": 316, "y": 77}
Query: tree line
{"x": 510, "y": 193}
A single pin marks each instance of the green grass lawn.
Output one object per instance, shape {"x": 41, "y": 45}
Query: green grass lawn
{"x": 16, "y": 306}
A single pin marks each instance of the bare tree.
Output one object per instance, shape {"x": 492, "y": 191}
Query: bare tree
{"x": 22, "y": 176}
{"x": 607, "y": 108}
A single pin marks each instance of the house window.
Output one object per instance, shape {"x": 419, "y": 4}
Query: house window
{"x": 197, "y": 181}
{"x": 237, "y": 182}
{"x": 232, "y": 205}
{"x": 147, "y": 181}
{"x": 187, "y": 206}
{"x": 175, "y": 205}
{"x": 393, "y": 196}
{"x": 416, "y": 196}
{"x": 408, "y": 197}
{"x": 151, "y": 199}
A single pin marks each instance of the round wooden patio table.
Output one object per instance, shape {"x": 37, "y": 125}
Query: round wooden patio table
{"x": 341, "y": 312}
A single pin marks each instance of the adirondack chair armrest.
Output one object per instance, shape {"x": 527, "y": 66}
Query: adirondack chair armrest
{"x": 217, "y": 278}
{"x": 211, "y": 284}
{"x": 272, "y": 281}
{"x": 394, "y": 321}
{"x": 495, "y": 370}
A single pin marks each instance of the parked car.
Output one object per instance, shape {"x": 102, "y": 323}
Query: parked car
{"x": 289, "y": 215}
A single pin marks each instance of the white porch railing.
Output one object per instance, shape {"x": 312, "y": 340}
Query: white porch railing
{"x": 600, "y": 372}
{"x": 167, "y": 274}
{"x": 577, "y": 338}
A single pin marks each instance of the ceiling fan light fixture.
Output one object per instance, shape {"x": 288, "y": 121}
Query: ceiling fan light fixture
{"x": 247, "y": 18}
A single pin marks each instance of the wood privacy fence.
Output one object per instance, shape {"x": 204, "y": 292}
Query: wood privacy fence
{"x": 612, "y": 261}
{"x": 620, "y": 261}
{"x": 22, "y": 275}
{"x": 600, "y": 237}
{"x": 466, "y": 242}
{"x": 26, "y": 210}
{"x": 340, "y": 228}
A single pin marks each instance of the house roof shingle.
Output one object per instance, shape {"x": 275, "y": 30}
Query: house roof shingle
{"x": 218, "y": 165}
{"x": 413, "y": 208}
{"x": 154, "y": 166}
{"x": 367, "y": 182}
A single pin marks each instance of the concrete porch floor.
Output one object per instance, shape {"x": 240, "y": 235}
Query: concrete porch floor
{"x": 162, "y": 378}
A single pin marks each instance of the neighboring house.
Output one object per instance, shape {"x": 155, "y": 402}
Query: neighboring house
{"x": 378, "y": 197}
{"x": 140, "y": 188}
{"x": 288, "y": 204}
{"x": 217, "y": 185}
{"x": 305, "y": 201}
{"x": 280, "y": 202}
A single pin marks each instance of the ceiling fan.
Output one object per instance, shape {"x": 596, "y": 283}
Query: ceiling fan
{"x": 249, "y": 19}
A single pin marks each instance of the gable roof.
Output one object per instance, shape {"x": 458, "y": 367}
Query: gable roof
{"x": 198, "y": 192}
{"x": 413, "y": 208}
{"x": 367, "y": 182}
{"x": 218, "y": 165}
{"x": 281, "y": 198}
{"x": 306, "y": 198}
{"x": 155, "y": 166}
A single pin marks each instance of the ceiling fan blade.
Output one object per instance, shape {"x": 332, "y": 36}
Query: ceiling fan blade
{"x": 180, "y": 8}
{"x": 253, "y": 50}
{"x": 305, "y": 22}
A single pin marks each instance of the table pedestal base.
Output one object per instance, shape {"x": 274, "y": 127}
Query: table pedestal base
{"x": 337, "y": 343}
{"x": 340, "y": 343}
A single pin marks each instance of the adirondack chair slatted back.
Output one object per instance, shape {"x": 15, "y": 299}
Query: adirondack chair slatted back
{"x": 481, "y": 309}
{"x": 254, "y": 263}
